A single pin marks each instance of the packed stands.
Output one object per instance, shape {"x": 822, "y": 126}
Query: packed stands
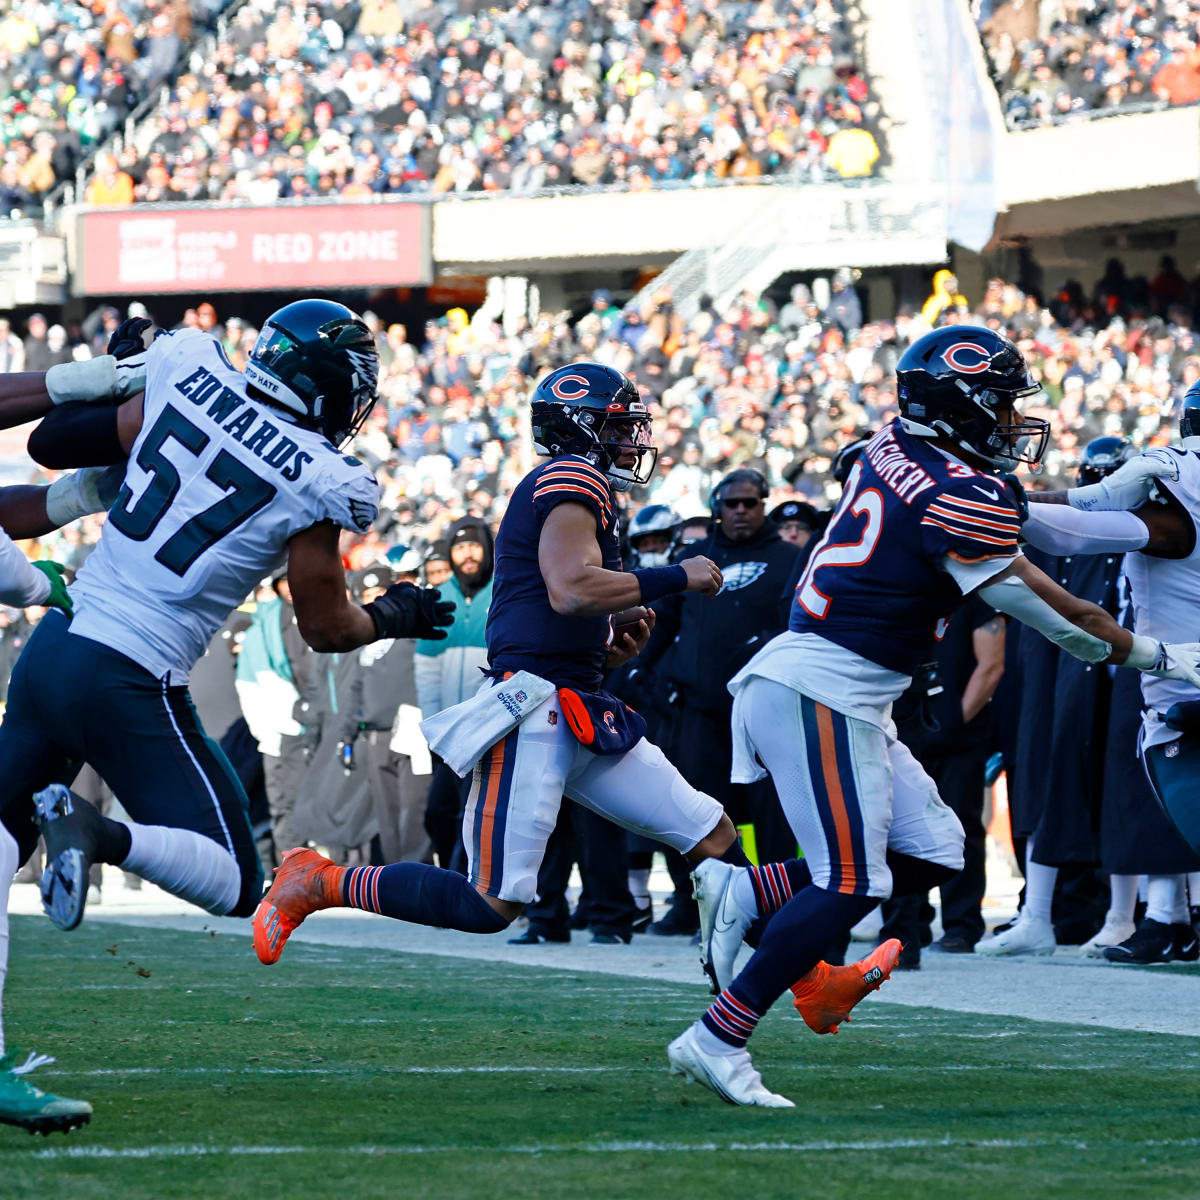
{"x": 1052, "y": 62}
{"x": 357, "y": 99}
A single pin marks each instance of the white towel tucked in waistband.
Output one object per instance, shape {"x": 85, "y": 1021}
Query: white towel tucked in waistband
{"x": 463, "y": 733}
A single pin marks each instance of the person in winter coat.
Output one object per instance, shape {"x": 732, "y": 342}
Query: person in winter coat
{"x": 449, "y": 671}
{"x": 709, "y": 644}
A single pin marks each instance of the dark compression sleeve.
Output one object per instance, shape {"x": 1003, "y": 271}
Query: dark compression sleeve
{"x": 77, "y": 434}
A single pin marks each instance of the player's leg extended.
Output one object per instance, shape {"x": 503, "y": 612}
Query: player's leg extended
{"x": 28, "y": 761}
{"x": 190, "y": 831}
{"x": 516, "y": 790}
{"x": 834, "y": 783}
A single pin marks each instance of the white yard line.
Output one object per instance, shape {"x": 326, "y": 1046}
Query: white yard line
{"x": 1058, "y": 990}
{"x": 616, "y": 1147}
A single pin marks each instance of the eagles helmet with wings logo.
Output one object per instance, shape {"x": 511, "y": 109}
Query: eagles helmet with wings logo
{"x": 596, "y": 412}
{"x": 317, "y": 359}
{"x": 956, "y": 382}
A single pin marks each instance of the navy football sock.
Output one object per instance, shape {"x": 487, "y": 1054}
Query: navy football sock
{"x": 421, "y": 894}
{"x": 791, "y": 946}
{"x": 734, "y": 855}
{"x": 774, "y": 885}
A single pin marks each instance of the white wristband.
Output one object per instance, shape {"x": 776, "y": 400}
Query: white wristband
{"x": 1144, "y": 653}
{"x": 79, "y": 493}
{"x": 102, "y": 378}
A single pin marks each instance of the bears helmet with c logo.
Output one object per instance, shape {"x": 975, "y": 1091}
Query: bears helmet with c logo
{"x": 596, "y": 412}
{"x": 953, "y": 382}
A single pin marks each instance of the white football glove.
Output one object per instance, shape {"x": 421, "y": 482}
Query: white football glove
{"x": 1169, "y": 660}
{"x": 1127, "y": 487}
{"x": 78, "y": 493}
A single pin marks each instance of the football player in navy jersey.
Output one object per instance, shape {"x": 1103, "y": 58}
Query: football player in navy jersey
{"x": 927, "y": 517}
{"x": 559, "y": 594}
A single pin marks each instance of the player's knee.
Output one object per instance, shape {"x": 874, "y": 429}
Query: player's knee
{"x": 911, "y": 875}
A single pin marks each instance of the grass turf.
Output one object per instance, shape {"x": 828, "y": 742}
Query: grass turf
{"x": 381, "y": 1074}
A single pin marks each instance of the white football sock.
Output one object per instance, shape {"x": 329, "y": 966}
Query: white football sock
{"x": 639, "y": 886}
{"x": 8, "y": 868}
{"x": 1039, "y": 887}
{"x": 1123, "y": 900}
{"x": 1193, "y": 887}
{"x": 186, "y": 864}
{"x": 1160, "y": 897}
{"x": 1180, "y": 914}
{"x": 710, "y": 1043}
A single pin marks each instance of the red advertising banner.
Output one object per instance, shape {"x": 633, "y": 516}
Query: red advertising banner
{"x": 201, "y": 249}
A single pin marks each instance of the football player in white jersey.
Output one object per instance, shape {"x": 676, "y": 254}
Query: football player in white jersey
{"x": 1149, "y": 510}
{"x": 229, "y": 474}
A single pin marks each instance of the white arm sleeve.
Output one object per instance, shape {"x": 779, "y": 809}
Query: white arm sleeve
{"x": 1060, "y": 529}
{"x": 1018, "y": 599}
{"x": 21, "y": 583}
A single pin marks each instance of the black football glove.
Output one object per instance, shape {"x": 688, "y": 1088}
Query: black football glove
{"x": 127, "y": 339}
{"x": 1017, "y": 492}
{"x": 407, "y": 611}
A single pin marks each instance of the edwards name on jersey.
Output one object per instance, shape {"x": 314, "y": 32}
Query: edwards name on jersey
{"x": 217, "y": 483}
{"x": 879, "y": 583}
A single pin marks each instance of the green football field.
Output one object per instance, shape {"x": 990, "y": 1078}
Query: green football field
{"x": 395, "y": 1075}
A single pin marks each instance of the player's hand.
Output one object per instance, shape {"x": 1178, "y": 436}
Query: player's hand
{"x": 406, "y": 610}
{"x": 630, "y": 636}
{"x": 703, "y": 575}
{"x": 1176, "y": 660}
{"x": 58, "y": 597}
{"x": 1129, "y": 486}
{"x": 129, "y": 337}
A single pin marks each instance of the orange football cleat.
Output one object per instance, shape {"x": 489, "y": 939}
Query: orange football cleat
{"x": 825, "y": 996}
{"x": 305, "y": 882}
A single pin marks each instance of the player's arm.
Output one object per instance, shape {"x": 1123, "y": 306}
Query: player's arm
{"x": 329, "y": 622}
{"x": 1084, "y": 629}
{"x": 1162, "y": 529}
{"x": 987, "y": 641}
{"x": 1126, "y": 488}
{"x": 578, "y": 584}
{"x": 29, "y": 511}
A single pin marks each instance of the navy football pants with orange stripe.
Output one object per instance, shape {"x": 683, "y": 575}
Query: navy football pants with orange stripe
{"x": 851, "y": 792}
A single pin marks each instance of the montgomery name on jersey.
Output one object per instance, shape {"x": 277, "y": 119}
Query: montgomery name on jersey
{"x": 915, "y": 530}
{"x": 209, "y": 462}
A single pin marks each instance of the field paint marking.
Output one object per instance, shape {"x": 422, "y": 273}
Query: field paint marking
{"x": 630, "y": 1147}
{"x": 367, "y": 1072}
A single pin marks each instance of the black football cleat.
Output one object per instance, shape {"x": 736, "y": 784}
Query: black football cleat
{"x": 73, "y": 832}
{"x": 1151, "y": 942}
{"x": 1185, "y": 947}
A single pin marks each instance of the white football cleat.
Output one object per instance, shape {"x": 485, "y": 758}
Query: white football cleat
{"x": 732, "y": 1076}
{"x": 723, "y": 922}
{"x": 1115, "y": 931}
{"x": 1030, "y": 935}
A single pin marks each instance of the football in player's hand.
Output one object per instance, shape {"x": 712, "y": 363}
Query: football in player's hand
{"x": 626, "y": 622}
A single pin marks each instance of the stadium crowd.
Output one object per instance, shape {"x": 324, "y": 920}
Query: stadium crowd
{"x": 380, "y": 97}
{"x": 1054, "y": 61}
{"x": 355, "y": 99}
{"x": 780, "y": 389}
{"x": 69, "y": 76}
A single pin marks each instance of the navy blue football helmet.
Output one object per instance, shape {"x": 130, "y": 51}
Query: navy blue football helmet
{"x": 955, "y": 381}
{"x": 654, "y": 518}
{"x": 317, "y": 360}
{"x": 596, "y": 412}
{"x": 1102, "y": 456}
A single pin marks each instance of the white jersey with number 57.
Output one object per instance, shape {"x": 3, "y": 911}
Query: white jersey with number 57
{"x": 217, "y": 483}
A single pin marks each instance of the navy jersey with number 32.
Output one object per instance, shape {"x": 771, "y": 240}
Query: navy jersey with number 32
{"x": 877, "y": 583}
{"x": 524, "y": 633}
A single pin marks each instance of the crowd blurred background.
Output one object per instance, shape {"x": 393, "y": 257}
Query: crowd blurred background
{"x": 364, "y": 97}
{"x": 1055, "y": 60}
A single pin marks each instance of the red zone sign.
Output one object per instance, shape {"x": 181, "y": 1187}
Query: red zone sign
{"x": 143, "y": 249}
